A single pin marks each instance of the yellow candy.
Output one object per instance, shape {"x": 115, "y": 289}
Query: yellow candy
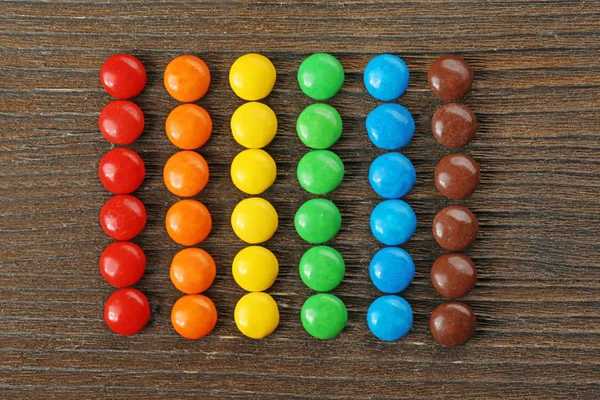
{"x": 253, "y": 171}
{"x": 256, "y": 315}
{"x": 255, "y": 268}
{"x": 253, "y": 125}
{"x": 254, "y": 220}
{"x": 252, "y": 76}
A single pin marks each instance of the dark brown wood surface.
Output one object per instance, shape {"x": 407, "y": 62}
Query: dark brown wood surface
{"x": 537, "y": 301}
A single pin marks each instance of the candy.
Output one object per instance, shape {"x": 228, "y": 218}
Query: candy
{"x": 123, "y": 217}
{"x": 390, "y": 126}
{"x": 322, "y": 268}
{"x": 392, "y": 269}
{"x": 319, "y": 126}
{"x": 254, "y": 220}
{"x": 453, "y": 323}
{"x": 453, "y": 275}
{"x": 127, "y": 311}
{"x": 186, "y": 173}
{"x": 320, "y": 171}
{"x": 123, "y": 76}
{"x": 194, "y": 316}
{"x": 256, "y": 315}
{"x": 121, "y": 171}
{"x": 390, "y": 317}
{"x": 253, "y": 171}
{"x": 317, "y": 221}
{"x": 453, "y": 125}
{"x": 450, "y": 77}
{"x": 393, "y": 222}
{"x": 122, "y": 264}
{"x": 188, "y": 222}
{"x": 392, "y": 175}
{"x": 456, "y": 176}
{"x": 192, "y": 271}
{"x": 455, "y": 228}
{"x": 321, "y": 76}
{"x": 187, "y": 78}
{"x": 253, "y": 125}
{"x": 255, "y": 268}
{"x": 324, "y": 316}
{"x": 252, "y": 76}
{"x": 121, "y": 122}
{"x": 386, "y": 77}
{"x": 188, "y": 126}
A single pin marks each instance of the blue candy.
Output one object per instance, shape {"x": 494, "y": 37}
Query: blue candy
{"x": 386, "y": 77}
{"x": 390, "y": 126}
{"x": 392, "y": 269}
{"x": 393, "y": 222}
{"x": 390, "y": 317}
{"x": 392, "y": 175}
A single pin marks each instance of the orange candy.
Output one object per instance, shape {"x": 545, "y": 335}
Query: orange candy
{"x": 194, "y": 316}
{"x": 188, "y": 126}
{"x": 186, "y": 173}
{"x": 193, "y": 270}
{"x": 188, "y": 222}
{"x": 187, "y": 78}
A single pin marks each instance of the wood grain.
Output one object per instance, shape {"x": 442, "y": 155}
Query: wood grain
{"x": 537, "y": 301}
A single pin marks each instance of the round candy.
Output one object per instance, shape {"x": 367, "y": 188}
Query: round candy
{"x": 256, "y": 315}
{"x": 253, "y": 125}
{"x": 121, "y": 171}
{"x": 122, "y": 264}
{"x": 453, "y": 275}
{"x": 123, "y": 76}
{"x": 386, "y": 77}
{"x": 254, "y": 220}
{"x": 393, "y": 222}
{"x": 253, "y": 171}
{"x": 453, "y": 323}
{"x": 322, "y": 268}
{"x": 319, "y": 126}
{"x": 252, "y": 76}
{"x": 123, "y": 217}
{"x": 321, "y": 76}
{"x": 392, "y": 175}
{"x": 320, "y": 171}
{"x": 390, "y": 317}
{"x": 455, "y": 228}
{"x": 390, "y": 126}
{"x": 317, "y": 221}
{"x": 450, "y": 77}
{"x": 187, "y": 78}
{"x": 324, "y": 316}
{"x": 392, "y": 269}
{"x": 255, "y": 268}
{"x": 194, "y": 316}
{"x": 188, "y": 222}
{"x": 127, "y": 311}
{"x": 456, "y": 176}
{"x": 121, "y": 122}
{"x": 186, "y": 173}
{"x": 453, "y": 125}
{"x": 193, "y": 270}
{"x": 188, "y": 126}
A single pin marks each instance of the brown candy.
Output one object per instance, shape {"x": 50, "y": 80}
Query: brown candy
{"x": 454, "y": 125}
{"x": 453, "y": 275}
{"x": 457, "y": 176}
{"x": 450, "y": 77}
{"x": 455, "y": 228}
{"x": 453, "y": 323}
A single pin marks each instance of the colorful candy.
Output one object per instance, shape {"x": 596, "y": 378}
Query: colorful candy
{"x": 193, "y": 270}
{"x": 186, "y": 173}
{"x": 454, "y": 125}
{"x": 320, "y": 171}
{"x": 390, "y": 317}
{"x": 121, "y": 122}
{"x": 453, "y": 275}
{"x": 253, "y": 125}
{"x": 256, "y": 315}
{"x": 456, "y": 176}
{"x": 392, "y": 269}
{"x": 127, "y": 311}
{"x": 450, "y": 77}
{"x": 322, "y": 268}
{"x": 393, "y": 222}
{"x": 254, "y": 220}
{"x": 252, "y": 77}
{"x": 390, "y": 126}
{"x": 121, "y": 171}
{"x": 324, "y": 316}
{"x": 188, "y": 222}
{"x": 453, "y": 323}
{"x": 122, "y": 264}
{"x": 194, "y": 316}
{"x": 188, "y": 126}
{"x": 123, "y": 217}
{"x": 253, "y": 171}
{"x": 123, "y": 76}
{"x": 255, "y": 268}
{"x": 386, "y": 77}
{"x": 392, "y": 175}
{"x": 321, "y": 76}
{"x": 319, "y": 126}
{"x": 317, "y": 221}
{"x": 187, "y": 78}
{"x": 455, "y": 228}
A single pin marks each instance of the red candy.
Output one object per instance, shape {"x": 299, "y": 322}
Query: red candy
{"x": 127, "y": 311}
{"x": 121, "y": 122}
{"x": 121, "y": 171}
{"x": 122, "y": 264}
{"x": 123, "y": 217}
{"x": 123, "y": 76}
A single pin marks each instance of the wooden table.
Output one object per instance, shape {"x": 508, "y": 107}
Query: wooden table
{"x": 537, "y": 300}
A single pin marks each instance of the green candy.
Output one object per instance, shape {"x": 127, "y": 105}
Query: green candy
{"x": 320, "y": 171}
{"x": 324, "y": 316}
{"x": 322, "y": 268}
{"x": 319, "y": 126}
{"x": 317, "y": 221}
{"x": 321, "y": 76}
